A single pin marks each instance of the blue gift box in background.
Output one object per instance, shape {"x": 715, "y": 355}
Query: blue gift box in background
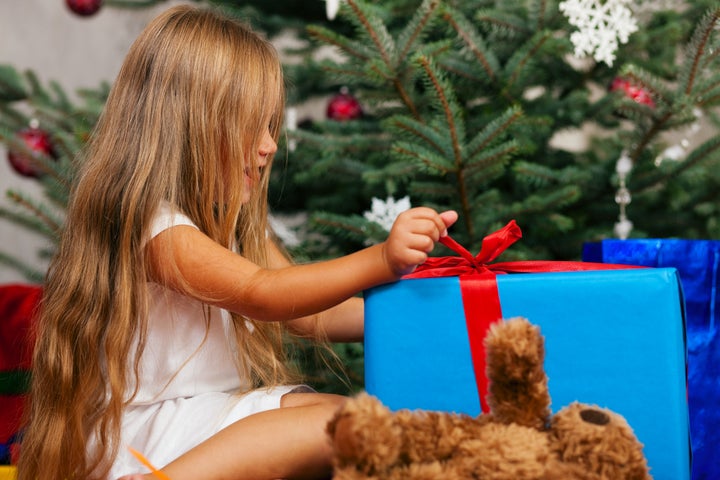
{"x": 613, "y": 338}
{"x": 697, "y": 263}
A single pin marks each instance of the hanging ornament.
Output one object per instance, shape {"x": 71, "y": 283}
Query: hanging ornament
{"x": 331, "y": 8}
{"x": 678, "y": 151}
{"x": 344, "y": 106}
{"x": 632, "y": 91}
{"x": 38, "y": 141}
{"x": 623, "y": 167}
{"x": 84, "y": 8}
{"x": 601, "y": 27}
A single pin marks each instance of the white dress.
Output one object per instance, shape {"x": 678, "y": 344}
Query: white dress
{"x": 188, "y": 383}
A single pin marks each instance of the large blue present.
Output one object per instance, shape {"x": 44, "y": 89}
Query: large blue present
{"x": 697, "y": 264}
{"x": 614, "y": 338}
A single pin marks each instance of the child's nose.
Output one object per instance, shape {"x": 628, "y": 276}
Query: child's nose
{"x": 267, "y": 145}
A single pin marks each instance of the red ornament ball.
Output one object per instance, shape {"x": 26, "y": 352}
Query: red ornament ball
{"x": 37, "y": 140}
{"x": 84, "y": 8}
{"x": 634, "y": 92}
{"x": 344, "y": 106}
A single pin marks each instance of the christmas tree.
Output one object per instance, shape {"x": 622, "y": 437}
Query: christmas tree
{"x": 466, "y": 103}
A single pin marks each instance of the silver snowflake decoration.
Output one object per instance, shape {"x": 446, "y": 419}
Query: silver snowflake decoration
{"x": 601, "y": 26}
{"x": 385, "y": 213}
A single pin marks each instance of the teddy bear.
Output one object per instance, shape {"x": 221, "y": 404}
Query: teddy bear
{"x": 519, "y": 439}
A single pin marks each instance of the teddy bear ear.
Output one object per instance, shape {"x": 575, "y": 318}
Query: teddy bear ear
{"x": 594, "y": 416}
{"x": 600, "y": 440}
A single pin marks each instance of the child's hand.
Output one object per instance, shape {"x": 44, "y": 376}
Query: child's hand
{"x": 413, "y": 236}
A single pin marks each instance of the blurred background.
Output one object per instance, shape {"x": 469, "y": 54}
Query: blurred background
{"x": 78, "y": 52}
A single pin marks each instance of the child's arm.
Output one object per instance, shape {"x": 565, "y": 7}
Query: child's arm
{"x": 342, "y": 323}
{"x": 207, "y": 270}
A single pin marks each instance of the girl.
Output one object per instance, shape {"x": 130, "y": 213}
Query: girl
{"x": 164, "y": 308}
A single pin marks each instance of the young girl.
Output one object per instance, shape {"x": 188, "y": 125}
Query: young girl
{"x": 164, "y": 308}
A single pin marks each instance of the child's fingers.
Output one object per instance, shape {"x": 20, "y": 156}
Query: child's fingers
{"x": 413, "y": 237}
{"x": 421, "y": 242}
{"x": 426, "y": 221}
{"x": 448, "y": 217}
{"x": 441, "y": 221}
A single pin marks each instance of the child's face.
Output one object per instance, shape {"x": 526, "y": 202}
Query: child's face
{"x": 266, "y": 148}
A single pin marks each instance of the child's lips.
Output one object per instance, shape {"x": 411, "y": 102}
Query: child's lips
{"x": 253, "y": 177}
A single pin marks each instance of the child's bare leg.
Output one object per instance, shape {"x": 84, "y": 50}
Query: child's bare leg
{"x": 289, "y": 442}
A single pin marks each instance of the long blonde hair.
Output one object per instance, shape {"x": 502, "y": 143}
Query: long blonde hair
{"x": 182, "y": 124}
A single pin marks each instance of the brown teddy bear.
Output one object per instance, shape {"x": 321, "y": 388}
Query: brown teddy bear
{"x": 520, "y": 439}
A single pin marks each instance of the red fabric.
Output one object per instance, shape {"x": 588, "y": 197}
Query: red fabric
{"x": 478, "y": 286}
{"x": 18, "y": 304}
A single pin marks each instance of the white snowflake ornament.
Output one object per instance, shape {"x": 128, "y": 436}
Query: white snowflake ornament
{"x": 602, "y": 25}
{"x": 385, "y": 213}
{"x": 331, "y": 8}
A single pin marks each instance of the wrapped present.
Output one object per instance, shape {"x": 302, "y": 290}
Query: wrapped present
{"x": 614, "y": 337}
{"x": 697, "y": 263}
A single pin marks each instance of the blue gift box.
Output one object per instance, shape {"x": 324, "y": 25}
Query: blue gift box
{"x": 613, "y": 339}
{"x": 697, "y": 263}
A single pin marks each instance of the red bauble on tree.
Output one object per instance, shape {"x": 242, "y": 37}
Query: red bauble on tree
{"x": 344, "y": 106}
{"x": 84, "y": 8}
{"x": 632, "y": 91}
{"x": 38, "y": 141}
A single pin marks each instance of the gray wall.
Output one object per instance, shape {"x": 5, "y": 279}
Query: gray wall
{"x": 78, "y": 52}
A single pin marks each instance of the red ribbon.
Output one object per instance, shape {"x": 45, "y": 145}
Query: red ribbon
{"x": 478, "y": 286}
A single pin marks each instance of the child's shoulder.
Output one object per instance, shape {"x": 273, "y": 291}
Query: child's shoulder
{"x": 167, "y": 216}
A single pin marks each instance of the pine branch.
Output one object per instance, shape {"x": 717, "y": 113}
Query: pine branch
{"x": 472, "y": 39}
{"x": 522, "y": 57}
{"x": 448, "y": 106}
{"x": 375, "y": 30}
{"x": 327, "y": 36}
{"x": 435, "y": 190}
{"x": 40, "y": 219}
{"x": 408, "y": 38}
{"x": 400, "y": 171}
{"x": 493, "y": 131}
{"x": 537, "y": 176}
{"x": 427, "y": 160}
{"x": 544, "y": 202}
{"x": 537, "y": 11}
{"x": 502, "y": 22}
{"x": 698, "y": 48}
{"x": 12, "y": 88}
{"x": 490, "y": 157}
{"x": 417, "y": 130}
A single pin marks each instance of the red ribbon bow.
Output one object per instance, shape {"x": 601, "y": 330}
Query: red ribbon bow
{"x": 478, "y": 286}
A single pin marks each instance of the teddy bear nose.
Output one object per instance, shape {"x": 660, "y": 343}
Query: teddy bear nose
{"x": 595, "y": 417}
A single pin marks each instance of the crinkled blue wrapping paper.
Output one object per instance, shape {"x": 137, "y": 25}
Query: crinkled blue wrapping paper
{"x": 697, "y": 262}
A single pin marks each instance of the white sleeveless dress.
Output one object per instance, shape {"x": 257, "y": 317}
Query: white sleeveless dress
{"x": 189, "y": 388}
